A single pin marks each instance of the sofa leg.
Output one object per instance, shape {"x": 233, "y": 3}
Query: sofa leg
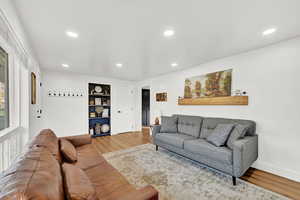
{"x": 234, "y": 180}
{"x": 156, "y": 148}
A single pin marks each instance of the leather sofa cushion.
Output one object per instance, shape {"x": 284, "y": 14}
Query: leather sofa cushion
{"x": 209, "y": 151}
{"x": 189, "y": 125}
{"x": 209, "y": 124}
{"x": 175, "y": 139}
{"x": 108, "y": 181}
{"x": 88, "y": 157}
{"x": 68, "y": 151}
{"x": 47, "y": 138}
{"x": 36, "y": 175}
{"x": 77, "y": 185}
{"x": 168, "y": 124}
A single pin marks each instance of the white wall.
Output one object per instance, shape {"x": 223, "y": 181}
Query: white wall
{"x": 69, "y": 115}
{"x": 270, "y": 75}
{"x": 19, "y": 73}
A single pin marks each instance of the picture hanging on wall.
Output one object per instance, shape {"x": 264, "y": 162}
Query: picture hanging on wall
{"x": 161, "y": 97}
{"x": 33, "y": 88}
{"x": 217, "y": 84}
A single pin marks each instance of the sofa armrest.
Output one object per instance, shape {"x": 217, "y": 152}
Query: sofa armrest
{"x": 245, "y": 152}
{"x": 79, "y": 140}
{"x": 155, "y": 129}
{"x": 145, "y": 193}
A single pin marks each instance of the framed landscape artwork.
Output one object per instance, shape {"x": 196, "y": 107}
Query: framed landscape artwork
{"x": 33, "y": 88}
{"x": 161, "y": 97}
{"x": 217, "y": 84}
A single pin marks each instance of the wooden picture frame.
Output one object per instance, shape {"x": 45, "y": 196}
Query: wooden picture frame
{"x": 162, "y": 97}
{"x": 33, "y": 88}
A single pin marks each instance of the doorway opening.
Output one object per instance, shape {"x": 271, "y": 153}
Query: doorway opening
{"x": 146, "y": 107}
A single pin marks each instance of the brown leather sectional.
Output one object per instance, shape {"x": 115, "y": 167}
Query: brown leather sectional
{"x": 37, "y": 173}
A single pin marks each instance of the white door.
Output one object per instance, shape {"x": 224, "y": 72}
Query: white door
{"x": 122, "y": 109}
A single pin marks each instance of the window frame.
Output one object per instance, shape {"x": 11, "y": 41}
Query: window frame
{"x": 6, "y": 91}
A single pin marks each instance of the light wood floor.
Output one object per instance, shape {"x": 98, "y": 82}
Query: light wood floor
{"x": 263, "y": 179}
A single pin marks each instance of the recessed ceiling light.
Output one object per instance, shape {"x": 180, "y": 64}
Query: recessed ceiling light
{"x": 169, "y": 33}
{"x": 65, "y": 65}
{"x": 174, "y": 64}
{"x": 72, "y": 34}
{"x": 269, "y": 31}
{"x": 119, "y": 65}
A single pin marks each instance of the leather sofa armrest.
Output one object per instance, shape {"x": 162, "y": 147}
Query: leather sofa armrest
{"x": 79, "y": 140}
{"x": 145, "y": 193}
{"x": 245, "y": 152}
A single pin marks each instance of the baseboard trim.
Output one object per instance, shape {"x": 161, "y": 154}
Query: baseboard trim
{"x": 286, "y": 173}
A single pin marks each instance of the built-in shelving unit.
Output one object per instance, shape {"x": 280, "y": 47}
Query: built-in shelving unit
{"x": 99, "y": 107}
{"x": 230, "y": 100}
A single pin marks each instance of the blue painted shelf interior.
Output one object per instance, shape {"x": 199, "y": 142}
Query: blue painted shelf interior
{"x": 99, "y": 108}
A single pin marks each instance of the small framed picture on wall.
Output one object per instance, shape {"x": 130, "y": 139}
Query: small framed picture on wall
{"x": 33, "y": 88}
{"x": 162, "y": 97}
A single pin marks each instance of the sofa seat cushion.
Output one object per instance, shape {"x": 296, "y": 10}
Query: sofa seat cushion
{"x": 209, "y": 151}
{"x": 189, "y": 125}
{"x": 87, "y": 157}
{"x": 77, "y": 185}
{"x": 175, "y": 139}
{"x": 108, "y": 182}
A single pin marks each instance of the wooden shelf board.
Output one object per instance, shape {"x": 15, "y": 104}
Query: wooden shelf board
{"x": 231, "y": 100}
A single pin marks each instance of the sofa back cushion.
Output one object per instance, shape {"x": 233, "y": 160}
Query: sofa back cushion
{"x": 238, "y": 132}
{"x": 189, "y": 125}
{"x": 35, "y": 175}
{"x": 77, "y": 185}
{"x": 220, "y": 134}
{"x": 47, "y": 138}
{"x": 168, "y": 124}
{"x": 68, "y": 151}
{"x": 209, "y": 124}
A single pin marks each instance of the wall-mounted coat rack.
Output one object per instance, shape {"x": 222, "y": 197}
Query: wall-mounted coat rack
{"x": 56, "y": 93}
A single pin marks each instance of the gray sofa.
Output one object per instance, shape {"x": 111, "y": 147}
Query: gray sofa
{"x": 190, "y": 141}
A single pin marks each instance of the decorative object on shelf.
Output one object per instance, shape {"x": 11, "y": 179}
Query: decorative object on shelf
{"x": 92, "y": 114}
{"x": 237, "y": 93}
{"x": 98, "y": 128}
{"x": 91, "y": 131}
{"x": 99, "y": 111}
{"x": 105, "y": 113}
{"x": 98, "y": 101}
{"x": 33, "y": 88}
{"x": 215, "y": 84}
{"x": 92, "y": 102}
{"x": 230, "y": 100}
{"x": 161, "y": 97}
{"x": 106, "y": 102}
{"x": 98, "y": 89}
{"x": 105, "y": 128}
{"x": 156, "y": 122}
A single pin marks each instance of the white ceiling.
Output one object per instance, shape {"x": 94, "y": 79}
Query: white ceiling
{"x": 131, "y": 32}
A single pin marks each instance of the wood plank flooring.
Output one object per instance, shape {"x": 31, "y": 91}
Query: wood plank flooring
{"x": 260, "y": 178}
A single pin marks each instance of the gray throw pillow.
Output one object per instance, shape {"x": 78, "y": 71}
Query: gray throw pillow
{"x": 220, "y": 134}
{"x": 168, "y": 124}
{"x": 238, "y": 132}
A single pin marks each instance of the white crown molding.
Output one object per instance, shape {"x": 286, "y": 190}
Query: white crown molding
{"x": 9, "y": 34}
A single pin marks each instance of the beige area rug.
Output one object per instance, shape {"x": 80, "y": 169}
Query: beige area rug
{"x": 178, "y": 178}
